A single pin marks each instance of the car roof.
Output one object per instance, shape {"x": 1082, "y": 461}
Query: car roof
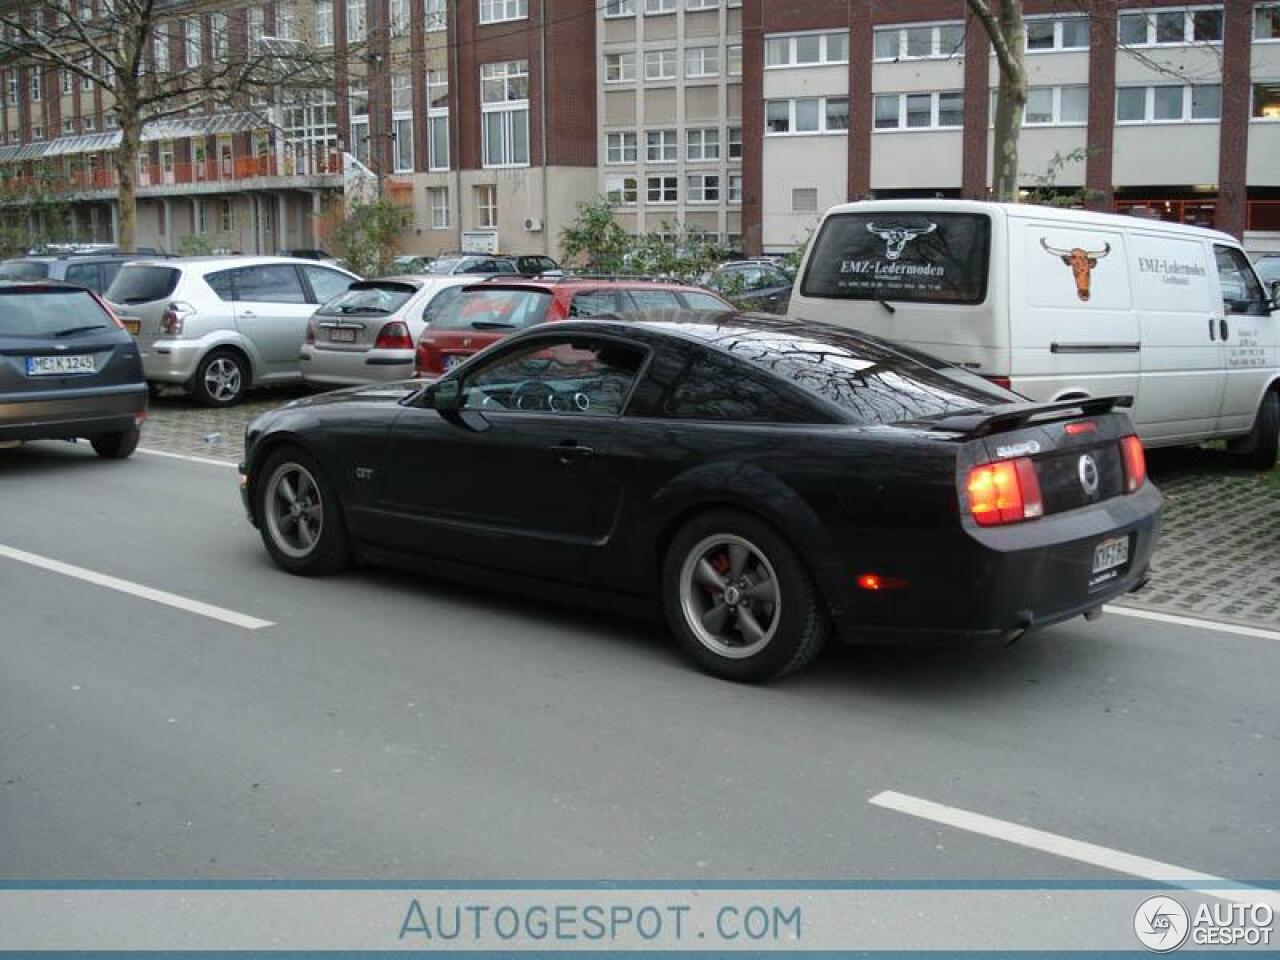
{"x": 504, "y": 280}
{"x": 230, "y": 260}
{"x": 44, "y": 286}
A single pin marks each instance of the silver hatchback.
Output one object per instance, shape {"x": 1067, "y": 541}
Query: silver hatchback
{"x": 369, "y": 332}
{"x": 218, "y": 325}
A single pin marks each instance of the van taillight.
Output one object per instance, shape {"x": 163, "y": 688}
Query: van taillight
{"x": 1004, "y": 492}
{"x": 1002, "y": 382}
{"x": 393, "y": 336}
{"x": 1135, "y": 463}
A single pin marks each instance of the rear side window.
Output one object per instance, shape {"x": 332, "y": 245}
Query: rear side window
{"x": 653, "y": 300}
{"x": 84, "y": 274}
{"x": 908, "y": 257}
{"x": 593, "y": 303}
{"x": 269, "y": 283}
{"x": 24, "y": 270}
{"x": 326, "y": 284}
{"x": 714, "y": 388}
{"x": 494, "y": 310}
{"x": 373, "y": 299}
{"x": 46, "y": 313}
{"x": 703, "y": 301}
{"x": 142, "y": 284}
{"x": 440, "y": 304}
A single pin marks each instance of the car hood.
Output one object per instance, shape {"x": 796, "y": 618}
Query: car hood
{"x": 392, "y": 392}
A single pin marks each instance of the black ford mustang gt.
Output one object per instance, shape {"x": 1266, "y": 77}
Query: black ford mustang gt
{"x": 765, "y": 482}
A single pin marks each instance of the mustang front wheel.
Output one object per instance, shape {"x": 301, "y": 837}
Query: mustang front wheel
{"x": 299, "y": 515}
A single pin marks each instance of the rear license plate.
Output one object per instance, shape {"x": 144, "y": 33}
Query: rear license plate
{"x": 133, "y": 326}
{"x": 1108, "y": 557}
{"x": 342, "y": 335}
{"x": 54, "y": 366}
{"x": 451, "y": 360}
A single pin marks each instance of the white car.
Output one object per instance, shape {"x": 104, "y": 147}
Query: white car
{"x": 1063, "y": 304}
{"x": 369, "y": 332}
{"x": 219, "y": 325}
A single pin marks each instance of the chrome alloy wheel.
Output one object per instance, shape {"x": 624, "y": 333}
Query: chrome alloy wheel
{"x": 294, "y": 510}
{"x": 222, "y": 379}
{"x": 730, "y": 597}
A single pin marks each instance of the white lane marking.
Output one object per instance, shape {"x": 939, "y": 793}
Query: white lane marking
{"x": 1079, "y": 850}
{"x": 137, "y": 590}
{"x": 1239, "y": 630}
{"x": 209, "y": 461}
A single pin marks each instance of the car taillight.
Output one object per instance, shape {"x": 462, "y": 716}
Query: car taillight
{"x": 111, "y": 313}
{"x": 310, "y": 338}
{"x": 1135, "y": 463}
{"x": 174, "y": 316}
{"x": 1004, "y": 492}
{"x": 393, "y": 336}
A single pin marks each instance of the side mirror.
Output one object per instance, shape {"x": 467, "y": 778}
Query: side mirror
{"x": 445, "y": 396}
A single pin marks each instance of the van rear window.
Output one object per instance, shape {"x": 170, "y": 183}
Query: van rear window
{"x": 908, "y": 257}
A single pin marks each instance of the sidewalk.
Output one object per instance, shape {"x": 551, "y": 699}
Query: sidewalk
{"x": 1218, "y": 557}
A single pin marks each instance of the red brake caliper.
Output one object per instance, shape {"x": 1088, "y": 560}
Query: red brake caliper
{"x": 720, "y": 564}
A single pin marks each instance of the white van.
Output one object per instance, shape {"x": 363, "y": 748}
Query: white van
{"x": 1058, "y": 304}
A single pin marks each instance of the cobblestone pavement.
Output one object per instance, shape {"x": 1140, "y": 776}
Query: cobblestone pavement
{"x": 1219, "y": 554}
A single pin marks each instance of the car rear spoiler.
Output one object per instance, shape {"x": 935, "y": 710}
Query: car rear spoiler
{"x": 1008, "y": 416}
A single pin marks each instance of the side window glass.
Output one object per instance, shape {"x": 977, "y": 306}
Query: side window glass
{"x": 702, "y": 301}
{"x": 274, "y": 283}
{"x": 712, "y": 389}
{"x": 439, "y": 303}
{"x": 593, "y": 303}
{"x": 1241, "y": 291}
{"x": 109, "y": 271}
{"x": 654, "y": 300}
{"x": 84, "y": 274}
{"x": 326, "y": 284}
{"x": 579, "y": 376}
{"x": 223, "y": 284}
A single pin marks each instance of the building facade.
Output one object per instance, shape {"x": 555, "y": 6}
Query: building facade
{"x": 739, "y": 120}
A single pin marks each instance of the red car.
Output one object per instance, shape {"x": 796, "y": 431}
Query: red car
{"x": 467, "y": 321}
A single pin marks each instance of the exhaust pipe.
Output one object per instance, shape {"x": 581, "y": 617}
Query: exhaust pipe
{"x": 1014, "y": 633}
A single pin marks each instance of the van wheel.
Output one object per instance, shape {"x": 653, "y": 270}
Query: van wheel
{"x": 221, "y": 379}
{"x": 1259, "y": 448}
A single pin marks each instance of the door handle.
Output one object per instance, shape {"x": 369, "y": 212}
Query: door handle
{"x": 569, "y": 452}
{"x": 247, "y": 313}
{"x": 1223, "y": 330}
{"x": 1212, "y": 335}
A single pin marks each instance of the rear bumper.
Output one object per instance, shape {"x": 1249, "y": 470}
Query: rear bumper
{"x": 72, "y": 413}
{"x": 992, "y": 585}
{"x": 172, "y": 361}
{"x": 351, "y": 368}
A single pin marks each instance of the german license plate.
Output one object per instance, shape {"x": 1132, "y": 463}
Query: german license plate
{"x": 1110, "y": 554}
{"x": 342, "y": 335}
{"x": 133, "y": 326}
{"x": 451, "y": 360}
{"x": 54, "y": 366}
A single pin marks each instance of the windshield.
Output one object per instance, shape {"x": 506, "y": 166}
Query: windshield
{"x": 24, "y": 270}
{"x": 47, "y": 313}
{"x": 370, "y": 300}
{"x": 142, "y": 284}
{"x": 494, "y": 310}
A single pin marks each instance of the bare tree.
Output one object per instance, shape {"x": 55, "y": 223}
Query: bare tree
{"x": 154, "y": 59}
{"x": 1007, "y": 31}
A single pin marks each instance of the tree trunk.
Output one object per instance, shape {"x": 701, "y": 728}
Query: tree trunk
{"x": 126, "y": 175}
{"x": 1011, "y": 100}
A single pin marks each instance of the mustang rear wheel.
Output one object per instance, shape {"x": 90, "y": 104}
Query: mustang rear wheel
{"x": 116, "y": 446}
{"x": 300, "y": 516}
{"x": 740, "y": 600}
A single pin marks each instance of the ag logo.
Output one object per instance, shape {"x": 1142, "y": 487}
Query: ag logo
{"x": 1161, "y": 924}
{"x": 897, "y": 238}
{"x": 1088, "y": 470}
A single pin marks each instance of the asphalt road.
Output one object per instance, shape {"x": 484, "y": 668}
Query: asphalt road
{"x": 389, "y": 728}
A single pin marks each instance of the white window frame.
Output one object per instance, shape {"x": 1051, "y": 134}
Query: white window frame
{"x": 192, "y": 42}
{"x": 702, "y": 4}
{"x": 68, "y": 82}
{"x": 623, "y": 190}
{"x": 220, "y": 38}
{"x": 486, "y": 213}
{"x": 515, "y": 111}
{"x": 435, "y": 15}
{"x": 621, "y": 148}
{"x": 665, "y": 182}
{"x": 255, "y": 28}
{"x": 398, "y": 17}
{"x": 937, "y": 50}
{"x": 733, "y": 193}
{"x": 701, "y": 56}
{"x": 1149, "y": 116}
{"x": 617, "y": 63}
{"x": 88, "y": 124}
{"x": 1265, "y": 8}
{"x": 68, "y": 127}
{"x": 733, "y": 139}
{"x": 661, "y": 58}
{"x": 667, "y": 142}
{"x": 1058, "y": 33}
{"x": 733, "y": 60}
{"x": 1056, "y": 109}
{"x": 402, "y": 144}
{"x": 821, "y": 131}
{"x": 619, "y": 8}
{"x": 702, "y": 145}
{"x": 357, "y": 21}
{"x": 1188, "y": 26}
{"x": 439, "y": 213}
{"x": 502, "y": 11}
{"x": 935, "y": 99}
{"x": 324, "y": 23}
{"x": 698, "y": 195}
{"x": 37, "y": 85}
{"x": 1253, "y": 84}
{"x": 790, "y": 42}
{"x": 656, "y": 7}
{"x": 436, "y": 115}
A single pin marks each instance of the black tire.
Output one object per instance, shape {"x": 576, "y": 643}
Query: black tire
{"x": 329, "y": 548}
{"x": 794, "y": 631}
{"x": 1259, "y": 448}
{"x": 116, "y": 446}
{"x": 221, "y": 379}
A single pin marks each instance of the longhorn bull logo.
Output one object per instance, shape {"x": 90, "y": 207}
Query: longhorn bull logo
{"x": 1081, "y": 262}
{"x": 897, "y": 238}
